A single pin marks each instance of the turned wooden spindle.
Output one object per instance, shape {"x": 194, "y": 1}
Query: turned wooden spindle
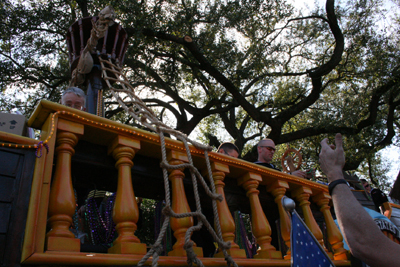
{"x": 62, "y": 198}
{"x": 179, "y": 205}
{"x": 334, "y": 236}
{"x": 260, "y": 225}
{"x": 225, "y": 217}
{"x": 278, "y": 190}
{"x": 126, "y": 211}
{"x": 302, "y": 195}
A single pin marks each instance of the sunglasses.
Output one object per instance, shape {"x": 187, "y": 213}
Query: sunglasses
{"x": 367, "y": 185}
{"x": 269, "y": 148}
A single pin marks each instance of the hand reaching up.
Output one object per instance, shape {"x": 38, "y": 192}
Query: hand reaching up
{"x": 332, "y": 159}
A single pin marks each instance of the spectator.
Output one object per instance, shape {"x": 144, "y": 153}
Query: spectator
{"x": 266, "y": 150}
{"x": 229, "y": 149}
{"x": 74, "y": 97}
{"x": 378, "y": 197}
{"x": 362, "y": 235}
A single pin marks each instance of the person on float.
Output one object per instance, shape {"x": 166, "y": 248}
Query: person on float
{"x": 266, "y": 150}
{"x": 362, "y": 235}
{"x": 74, "y": 97}
{"x": 378, "y": 197}
{"x": 229, "y": 149}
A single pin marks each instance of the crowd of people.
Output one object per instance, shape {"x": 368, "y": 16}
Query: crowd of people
{"x": 360, "y": 232}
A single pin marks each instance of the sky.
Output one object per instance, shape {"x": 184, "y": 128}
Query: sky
{"x": 392, "y": 154}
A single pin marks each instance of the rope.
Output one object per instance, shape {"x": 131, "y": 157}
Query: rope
{"x": 99, "y": 29}
{"x": 143, "y": 114}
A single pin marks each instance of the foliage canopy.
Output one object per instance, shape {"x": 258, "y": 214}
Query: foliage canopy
{"x": 250, "y": 69}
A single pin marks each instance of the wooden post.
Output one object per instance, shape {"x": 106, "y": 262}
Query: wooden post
{"x": 126, "y": 211}
{"x": 179, "y": 205}
{"x": 260, "y": 225}
{"x": 278, "y": 190}
{"x": 225, "y": 217}
{"x": 62, "y": 198}
{"x": 302, "y": 195}
{"x": 334, "y": 236}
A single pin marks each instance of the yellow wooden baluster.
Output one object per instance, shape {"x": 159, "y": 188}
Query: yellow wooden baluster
{"x": 225, "y": 217}
{"x": 334, "y": 236}
{"x": 62, "y": 198}
{"x": 278, "y": 190}
{"x": 260, "y": 225}
{"x": 125, "y": 212}
{"x": 179, "y": 205}
{"x": 302, "y": 195}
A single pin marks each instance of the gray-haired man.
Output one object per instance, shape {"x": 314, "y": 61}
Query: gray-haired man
{"x": 74, "y": 97}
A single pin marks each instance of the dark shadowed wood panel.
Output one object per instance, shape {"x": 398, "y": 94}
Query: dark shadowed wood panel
{"x": 7, "y": 188}
{"x": 16, "y": 171}
{"x": 2, "y": 245}
{"x": 5, "y": 211}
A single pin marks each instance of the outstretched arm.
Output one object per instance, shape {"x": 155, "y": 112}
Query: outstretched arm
{"x": 363, "y": 237}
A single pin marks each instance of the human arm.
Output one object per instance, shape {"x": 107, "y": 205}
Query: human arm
{"x": 304, "y": 174}
{"x": 299, "y": 173}
{"x": 387, "y": 209}
{"x": 363, "y": 237}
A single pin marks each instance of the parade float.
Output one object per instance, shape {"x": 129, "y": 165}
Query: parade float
{"x": 81, "y": 158}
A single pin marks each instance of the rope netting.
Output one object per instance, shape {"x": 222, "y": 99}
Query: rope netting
{"x": 118, "y": 85}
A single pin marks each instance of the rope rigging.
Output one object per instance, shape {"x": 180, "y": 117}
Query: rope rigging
{"x": 118, "y": 84}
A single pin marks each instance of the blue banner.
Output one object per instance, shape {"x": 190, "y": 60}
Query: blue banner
{"x": 306, "y": 251}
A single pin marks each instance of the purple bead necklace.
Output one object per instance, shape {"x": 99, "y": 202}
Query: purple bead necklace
{"x": 101, "y": 225}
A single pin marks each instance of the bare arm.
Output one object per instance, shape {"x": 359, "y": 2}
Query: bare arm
{"x": 299, "y": 173}
{"x": 362, "y": 235}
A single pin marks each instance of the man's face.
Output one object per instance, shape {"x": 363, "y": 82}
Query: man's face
{"x": 232, "y": 153}
{"x": 367, "y": 187}
{"x": 72, "y": 100}
{"x": 266, "y": 151}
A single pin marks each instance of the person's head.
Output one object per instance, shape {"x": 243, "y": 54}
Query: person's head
{"x": 229, "y": 149}
{"x": 266, "y": 150}
{"x": 74, "y": 97}
{"x": 366, "y": 185}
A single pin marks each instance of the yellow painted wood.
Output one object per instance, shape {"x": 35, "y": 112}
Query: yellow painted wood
{"x": 278, "y": 190}
{"x": 225, "y": 217}
{"x": 70, "y": 126}
{"x": 218, "y": 166}
{"x": 62, "y": 199}
{"x": 126, "y": 211}
{"x": 48, "y": 130}
{"x": 260, "y": 225}
{"x": 17, "y": 139}
{"x": 97, "y": 259}
{"x": 302, "y": 195}
{"x": 59, "y": 243}
{"x": 249, "y": 176}
{"x": 128, "y": 248}
{"x": 102, "y": 132}
{"x": 334, "y": 236}
{"x": 179, "y": 205}
{"x": 36, "y": 221}
{"x": 30, "y": 239}
{"x": 123, "y": 141}
{"x": 177, "y": 155}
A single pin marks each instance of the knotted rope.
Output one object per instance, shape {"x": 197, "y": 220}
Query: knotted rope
{"x": 143, "y": 114}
